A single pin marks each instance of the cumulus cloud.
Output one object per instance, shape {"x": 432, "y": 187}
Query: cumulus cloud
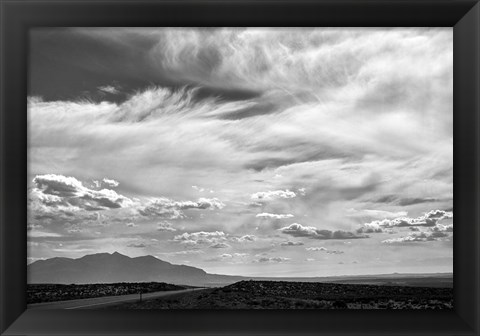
{"x": 202, "y": 203}
{"x": 243, "y": 239}
{"x": 166, "y": 208}
{"x": 417, "y": 237}
{"x": 109, "y": 89}
{"x": 266, "y": 215}
{"x": 58, "y": 190}
{"x": 201, "y": 238}
{"x": 110, "y": 182}
{"x": 370, "y": 228}
{"x": 442, "y": 228}
{"x": 298, "y": 230}
{"x": 165, "y": 226}
{"x": 429, "y": 219}
{"x": 324, "y": 250}
{"x": 157, "y": 209}
{"x": 291, "y": 243}
{"x": 316, "y": 249}
{"x": 271, "y": 195}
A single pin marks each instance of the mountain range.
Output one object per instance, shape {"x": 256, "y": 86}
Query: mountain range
{"x": 116, "y": 267}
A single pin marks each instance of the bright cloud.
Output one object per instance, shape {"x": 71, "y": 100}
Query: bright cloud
{"x": 109, "y": 89}
{"x": 316, "y": 249}
{"x": 271, "y": 195}
{"x": 111, "y": 183}
{"x": 201, "y": 238}
{"x": 266, "y": 215}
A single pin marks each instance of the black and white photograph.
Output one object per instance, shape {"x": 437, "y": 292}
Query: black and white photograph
{"x": 240, "y": 168}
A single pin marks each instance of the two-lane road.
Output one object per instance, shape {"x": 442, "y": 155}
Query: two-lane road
{"x": 105, "y": 301}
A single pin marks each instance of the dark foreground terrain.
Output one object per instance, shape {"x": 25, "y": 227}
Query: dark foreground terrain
{"x": 53, "y": 292}
{"x": 303, "y": 295}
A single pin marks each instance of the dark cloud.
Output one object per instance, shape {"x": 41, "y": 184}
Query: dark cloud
{"x": 386, "y": 199}
{"x": 404, "y": 201}
{"x": 291, "y": 243}
{"x": 412, "y": 201}
{"x": 369, "y": 229}
{"x": 220, "y": 246}
{"x": 334, "y": 252}
{"x": 67, "y": 63}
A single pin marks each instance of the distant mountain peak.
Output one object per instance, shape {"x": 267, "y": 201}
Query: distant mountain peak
{"x": 118, "y": 254}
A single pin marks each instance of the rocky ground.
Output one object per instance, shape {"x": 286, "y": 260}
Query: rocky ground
{"x": 53, "y": 292}
{"x": 304, "y": 295}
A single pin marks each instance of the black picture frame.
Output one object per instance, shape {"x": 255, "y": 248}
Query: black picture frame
{"x": 17, "y": 16}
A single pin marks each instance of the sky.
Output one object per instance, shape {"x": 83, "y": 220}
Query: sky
{"x": 244, "y": 151}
